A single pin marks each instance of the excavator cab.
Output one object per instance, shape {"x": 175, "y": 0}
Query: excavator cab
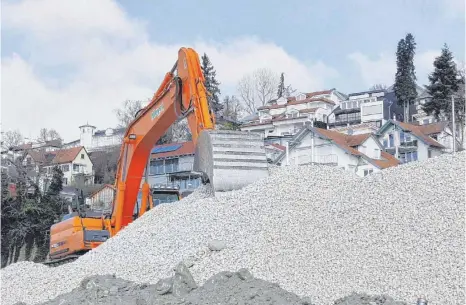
{"x": 159, "y": 195}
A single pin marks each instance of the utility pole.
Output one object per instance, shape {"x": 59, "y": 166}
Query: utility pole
{"x": 453, "y": 121}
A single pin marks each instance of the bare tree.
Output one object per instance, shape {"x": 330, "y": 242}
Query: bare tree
{"x": 48, "y": 135}
{"x": 127, "y": 113}
{"x": 11, "y": 139}
{"x": 232, "y": 108}
{"x": 378, "y": 87}
{"x": 258, "y": 88}
{"x": 289, "y": 91}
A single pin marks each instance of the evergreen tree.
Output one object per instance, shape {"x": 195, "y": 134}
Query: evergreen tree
{"x": 211, "y": 84}
{"x": 444, "y": 82}
{"x": 405, "y": 78}
{"x": 56, "y": 185}
{"x": 281, "y": 86}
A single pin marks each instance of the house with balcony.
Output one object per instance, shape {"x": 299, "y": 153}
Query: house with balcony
{"x": 408, "y": 142}
{"x": 74, "y": 162}
{"x": 362, "y": 154}
{"x": 172, "y": 165}
{"x": 373, "y": 107}
{"x": 282, "y": 118}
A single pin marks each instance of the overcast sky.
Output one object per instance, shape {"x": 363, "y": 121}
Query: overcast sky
{"x": 68, "y": 62}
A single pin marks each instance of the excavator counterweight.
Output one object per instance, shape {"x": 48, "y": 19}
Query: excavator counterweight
{"x": 230, "y": 160}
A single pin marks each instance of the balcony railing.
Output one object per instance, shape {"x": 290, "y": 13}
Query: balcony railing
{"x": 411, "y": 143}
{"x": 330, "y": 159}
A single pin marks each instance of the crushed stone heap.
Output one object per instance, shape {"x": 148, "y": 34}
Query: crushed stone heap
{"x": 317, "y": 231}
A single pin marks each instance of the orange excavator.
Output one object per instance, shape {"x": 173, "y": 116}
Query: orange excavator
{"x": 226, "y": 160}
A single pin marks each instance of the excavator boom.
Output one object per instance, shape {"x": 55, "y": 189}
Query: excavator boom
{"x": 228, "y": 160}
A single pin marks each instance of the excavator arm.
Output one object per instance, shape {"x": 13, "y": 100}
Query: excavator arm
{"x": 226, "y": 159}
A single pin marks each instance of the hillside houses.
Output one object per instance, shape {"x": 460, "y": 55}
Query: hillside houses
{"x": 361, "y": 154}
{"x": 284, "y": 117}
{"x": 74, "y": 162}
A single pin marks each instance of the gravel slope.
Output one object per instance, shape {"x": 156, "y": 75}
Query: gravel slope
{"x": 315, "y": 230}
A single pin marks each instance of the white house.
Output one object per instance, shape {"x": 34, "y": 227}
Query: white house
{"x": 75, "y": 163}
{"x": 93, "y": 139}
{"x": 361, "y": 154}
{"x": 408, "y": 142}
{"x": 284, "y": 117}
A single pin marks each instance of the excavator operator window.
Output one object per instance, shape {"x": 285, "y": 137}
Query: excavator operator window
{"x": 168, "y": 197}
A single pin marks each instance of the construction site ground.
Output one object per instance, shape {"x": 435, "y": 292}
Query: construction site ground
{"x": 305, "y": 235}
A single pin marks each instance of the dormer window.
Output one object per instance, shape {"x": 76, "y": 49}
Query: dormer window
{"x": 301, "y": 97}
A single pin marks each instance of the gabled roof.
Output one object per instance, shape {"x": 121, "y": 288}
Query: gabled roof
{"x": 416, "y": 130}
{"x": 346, "y": 142}
{"x": 433, "y": 128}
{"x": 172, "y": 150}
{"x": 55, "y": 157}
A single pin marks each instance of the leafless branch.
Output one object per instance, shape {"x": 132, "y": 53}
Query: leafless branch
{"x": 258, "y": 88}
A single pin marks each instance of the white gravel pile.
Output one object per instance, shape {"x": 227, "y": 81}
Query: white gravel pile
{"x": 317, "y": 231}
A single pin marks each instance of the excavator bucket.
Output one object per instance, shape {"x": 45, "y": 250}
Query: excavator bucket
{"x": 230, "y": 160}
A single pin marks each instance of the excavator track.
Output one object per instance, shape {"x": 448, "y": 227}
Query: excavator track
{"x": 61, "y": 261}
{"x": 230, "y": 160}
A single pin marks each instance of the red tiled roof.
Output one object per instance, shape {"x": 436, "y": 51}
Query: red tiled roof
{"x": 347, "y": 142}
{"x": 417, "y": 131}
{"x": 66, "y": 155}
{"x": 308, "y": 110}
{"x": 187, "y": 148}
{"x": 294, "y": 102}
{"x": 57, "y": 156}
{"x": 388, "y": 162}
{"x": 278, "y": 146}
{"x": 311, "y": 94}
{"x": 355, "y": 140}
{"x": 433, "y": 128}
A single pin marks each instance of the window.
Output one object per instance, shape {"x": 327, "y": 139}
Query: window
{"x": 343, "y": 105}
{"x": 402, "y": 137}
{"x": 414, "y": 155}
{"x": 28, "y": 160}
{"x": 426, "y": 121}
{"x": 76, "y": 167}
{"x": 391, "y": 140}
{"x": 367, "y": 172}
{"x": 378, "y": 123}
{"x": 65, "y": 181}
{"x": 385, "y": 143}
{"x": 403, "y": 158}
{"x": 408, "y": 157}
{"x": 82, "y": 156}
{"x": 355, "y": 104}
{"x": 156, "y": 167}
{"x": 429, "y": 153}
{"x": 65, "y": 168}
{"x": 171, "y": 165}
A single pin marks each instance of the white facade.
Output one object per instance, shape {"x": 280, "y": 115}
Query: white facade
{"x": 317, "y": 148}
{"x": 285, "y": 117}
{"x": 78, "y": 169}
{"x": 93, "y": 139}
{"x": 408, "y": 146}
{"x": 366, "y": 107}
